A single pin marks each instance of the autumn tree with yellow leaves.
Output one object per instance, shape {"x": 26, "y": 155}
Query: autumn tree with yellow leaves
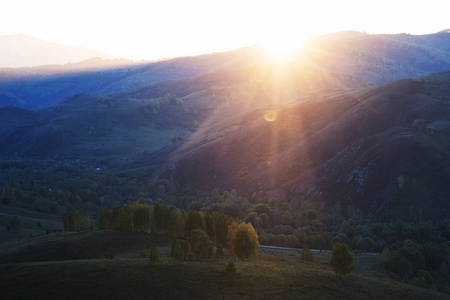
{"x": 242, "y": 240}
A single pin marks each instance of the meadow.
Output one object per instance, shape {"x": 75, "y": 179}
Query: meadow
{"x": 115, "y": 265}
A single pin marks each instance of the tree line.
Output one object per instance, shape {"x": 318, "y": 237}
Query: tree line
{"x": 202, "y": 232}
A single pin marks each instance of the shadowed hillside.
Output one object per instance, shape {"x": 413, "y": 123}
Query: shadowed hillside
{"x": 149, "y": 123}
{"x": 94, "y": 128}
{"x": 44, "y": 86}
{"x": 383, "y": 149}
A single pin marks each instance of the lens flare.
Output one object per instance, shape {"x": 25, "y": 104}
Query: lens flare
{"x": 270, "y": 115}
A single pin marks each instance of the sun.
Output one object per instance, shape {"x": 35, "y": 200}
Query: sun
{"x": 280, "y": 46}
{"x": 279, "y": 49}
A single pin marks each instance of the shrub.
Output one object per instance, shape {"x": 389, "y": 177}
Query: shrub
{"x": 386, "y": 256}
{"x": 341, "y": 259}
{"x": 201, "y": 243}
{"x": 230, "y": 268}
{"x": 307, "y": 255}
{"x": 15, "y": 223}
{"x": 404, "y": 267}
{"x": 178, "y": 252}
{"x": 154, "y": 255}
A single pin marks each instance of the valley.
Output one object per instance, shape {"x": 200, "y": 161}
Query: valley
{"x": 345, "y": 143}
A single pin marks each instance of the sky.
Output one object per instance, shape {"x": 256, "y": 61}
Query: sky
{"x": 150, "y": 29}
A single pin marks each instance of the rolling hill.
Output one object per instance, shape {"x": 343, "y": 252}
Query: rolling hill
{"x": 368, "y": 59}
{"x": 382, "y": 149}
{"x": 380, "y": 58}
{"x": 102, "y": 128}
{"x": 43, "y": 86}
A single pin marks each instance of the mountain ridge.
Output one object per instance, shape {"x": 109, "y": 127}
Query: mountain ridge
{"x": 20, "y": 50}
{"x": 369, "y": 59}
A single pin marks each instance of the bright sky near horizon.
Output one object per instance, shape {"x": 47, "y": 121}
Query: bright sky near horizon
{"x": 140, "y": 29}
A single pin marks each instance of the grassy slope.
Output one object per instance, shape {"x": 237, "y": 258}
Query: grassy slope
{"x": 129, "y": 275}
{"x": 29, "y": 219}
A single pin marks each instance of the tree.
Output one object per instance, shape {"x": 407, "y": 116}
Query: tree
{"x": 264, "y": 220}
{"x": 18, "y": 195}
{"x": 222, "y": 230}
{"x": 201, "y": 243}
{"x": 181, "y": 224}
{"x": 405, "y": 267}
{"x": 219, "y": 252}
{"x": 230, "y": 268}
{"x": 262, "y": 208}
{"x": 75, "y": 221}
{"x": 216, "y": 227}
{"x": 306, "y": 255}
{"x": 215, "y": 195}
{"x": 425, "y": 278}
{"x": 195, "y": 220}
{"x": 175, "y": 218}
{"x": 186, "y": 248}
{"x": 286, "y": 218}
{"x": 141, "y": 217}
{"x": 104, "y": 219}
{"x": 15, "y": 223}
{"x": 119, "y": 219}
{"x": 341, "y": 259}
{"x": 9, "y": 192}
{"x": 385, "y": 256}
{"x": 365, "y": 244}
{"x": 178, "y": 251}
{"x": 167, "y": 98}
{"x": 154, "y": 255}
{"x": 161, "y": 216}
{"x": 243, "y": 240}
{"x": 231, "y": 236}
{"x": 251, "y": 217}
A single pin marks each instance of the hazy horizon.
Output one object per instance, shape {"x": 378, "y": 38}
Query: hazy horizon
{"x": 147, "y": 31}
{"x": 84, "y": 53}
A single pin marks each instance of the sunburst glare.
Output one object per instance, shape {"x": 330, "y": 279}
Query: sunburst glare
{"x": 281, "y": 46}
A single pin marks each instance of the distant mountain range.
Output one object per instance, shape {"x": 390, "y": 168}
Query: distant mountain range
{"x": 368, "y": 59}
{"x": 19, "y": 50}
{"x": 44, "y": 86}
{"x": 343, "y": 125}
